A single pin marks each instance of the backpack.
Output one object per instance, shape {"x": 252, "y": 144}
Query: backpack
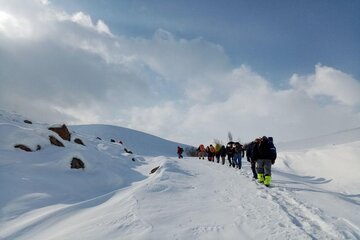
{"x": 272, "y": 152}
{"x": 268, "y": 150}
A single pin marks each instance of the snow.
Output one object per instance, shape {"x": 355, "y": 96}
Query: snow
{"x": 315, "y": 192}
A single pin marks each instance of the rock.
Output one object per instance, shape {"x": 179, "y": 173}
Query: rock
{"x": 62, "y": 131}
{"x": 112, "y": 140}
{"x": 79, "y": 141}
{"x": 128, "y": 151}
{"x": 23, "y": 147}
{"x": 38, "y": 147}
{"x": 27, "y": 121}
{"x": 55, "y": 142}
{"x": 154, "y": 170}
{"x": 98, "y": 138}
{"x": 133, "y": 159}
{"x": 77, "y": 163}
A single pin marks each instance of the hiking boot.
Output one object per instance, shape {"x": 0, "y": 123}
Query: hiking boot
{"x": 260, "y": 177}
{"x": 267, "y": 181}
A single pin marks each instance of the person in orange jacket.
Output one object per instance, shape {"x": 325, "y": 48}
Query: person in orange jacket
{"x": 212, "y": 152}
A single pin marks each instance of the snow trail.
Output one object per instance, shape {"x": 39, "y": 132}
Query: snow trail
{"x": 211, "y": 201}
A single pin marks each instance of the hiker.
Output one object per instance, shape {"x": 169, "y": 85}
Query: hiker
{"x": 207, "y": 150}
{"x": 222, "y": 154}
{"x": 238, "y": 154}
{"x": 265, "y": 154}
{"x": 180, "y": 150}
{"x": 217, "y": 152}
{"x": 250, "y": 159}
{"x": 230, "y": 153}
{"x": 212, "y": 153}
{"x": 201, "y": 151}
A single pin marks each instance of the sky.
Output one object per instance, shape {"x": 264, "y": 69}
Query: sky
{"x": 187, "y": 71}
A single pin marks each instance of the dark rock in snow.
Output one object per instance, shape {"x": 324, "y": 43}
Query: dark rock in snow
{"x": 62, "y": 131}
{"x": 77, "y": 163}
{"x": 154, "y": 170}
{"x": 55, "y": 142}
{"x": 23, "y": 147}
{"x": 79, "y": 141}
{"x": 27, "y": 121}
{"x": 128, "y": 151}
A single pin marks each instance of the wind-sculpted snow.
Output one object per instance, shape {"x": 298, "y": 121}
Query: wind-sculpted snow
{"x": 315, "y": 193}
{"x": 138, "y": 142}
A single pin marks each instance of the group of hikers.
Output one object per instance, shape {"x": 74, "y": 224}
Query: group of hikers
{"x": 261, "y": 153}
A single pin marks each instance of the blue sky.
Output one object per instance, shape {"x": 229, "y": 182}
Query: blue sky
{"x": 275, "y": 38}
{"x": 188, "y": 71}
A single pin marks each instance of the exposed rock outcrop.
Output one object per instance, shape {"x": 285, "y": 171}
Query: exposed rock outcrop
{"x": 154, "y": 169}
{"x": 55, "y": 142}
{"x": 128, "y": 151}
{"x": 62, "y": 131}
{"x": 27, "y": 121}
{"x": 79, "y": 141}
{"x": 77, "y": 163}
{"x": 23, "y": 147}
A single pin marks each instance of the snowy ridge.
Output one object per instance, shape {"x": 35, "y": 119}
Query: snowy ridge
{"x": 315, "y": 193}
{"x": 340, "y": 137}
{"x": 139, "y": 142}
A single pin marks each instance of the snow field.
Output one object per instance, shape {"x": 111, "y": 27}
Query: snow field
{"x": 314, "y": 192}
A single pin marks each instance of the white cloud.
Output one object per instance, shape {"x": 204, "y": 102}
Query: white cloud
{"x": 86, "y": 21}
{"x": 180, "y": 89}
{"x": 329, "y": 82}
{"x": 14, "y": 27}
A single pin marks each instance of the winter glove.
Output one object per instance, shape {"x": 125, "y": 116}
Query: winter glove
{"x": 272, "y": 162}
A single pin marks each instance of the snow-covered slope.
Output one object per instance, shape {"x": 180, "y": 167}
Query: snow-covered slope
{"x": 340, "y": 137}
{"x": 315, "y": 192}
{"x": 139, "y": 142}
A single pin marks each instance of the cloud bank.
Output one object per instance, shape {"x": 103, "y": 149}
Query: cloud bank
{"x": 66, "y": 67}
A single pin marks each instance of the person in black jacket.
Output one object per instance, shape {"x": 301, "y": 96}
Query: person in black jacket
{"x": 230, "y": 153}
{"x": 265, "y": 154}
{"x": 250, "y": 158}
{"x": 180, "y": 150}
{"x": 222, "y": 154}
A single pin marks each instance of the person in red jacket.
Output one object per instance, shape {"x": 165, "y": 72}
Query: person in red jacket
{"x": 201, "y": 151}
